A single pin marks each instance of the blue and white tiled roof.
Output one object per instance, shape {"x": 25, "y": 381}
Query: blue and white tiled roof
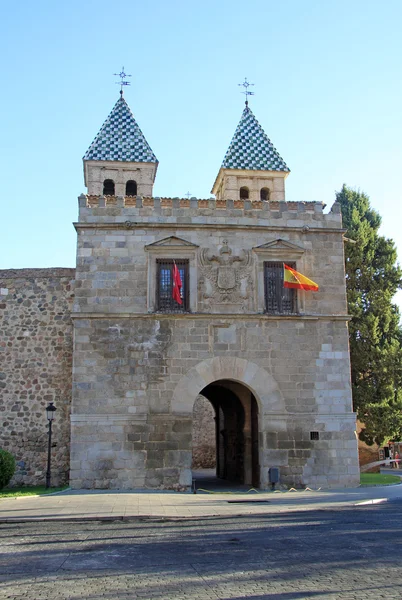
{"x": 251, "y": 148}
{"x": 120, "y": 138}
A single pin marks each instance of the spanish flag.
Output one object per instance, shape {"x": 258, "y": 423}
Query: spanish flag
{"x": 293, "y": 279}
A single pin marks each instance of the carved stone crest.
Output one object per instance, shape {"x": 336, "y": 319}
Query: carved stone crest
{"x": 226, "y": 279}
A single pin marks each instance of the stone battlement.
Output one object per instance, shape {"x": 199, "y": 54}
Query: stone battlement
{"x": 123, "y": 208}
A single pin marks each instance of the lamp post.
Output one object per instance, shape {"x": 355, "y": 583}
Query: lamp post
{"x": 50, "y": 410}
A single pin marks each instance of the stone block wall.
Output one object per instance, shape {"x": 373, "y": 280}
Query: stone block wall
{"x": 229, "y": 182}
{"x": 133, "y": 425}
{"x": 137, "y": 372}
{"x": 35, "y": 368}
{"x": 117, "y": 252}
{"x": 96, "y": 172}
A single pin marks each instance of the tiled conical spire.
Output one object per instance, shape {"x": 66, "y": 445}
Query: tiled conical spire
{"x": 120, "y": 138}
{"x": 251, "y": 148}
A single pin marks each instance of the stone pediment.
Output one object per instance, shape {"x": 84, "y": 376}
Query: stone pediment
{"x": 171, "y": 242}
{"x": 279, "y": 246}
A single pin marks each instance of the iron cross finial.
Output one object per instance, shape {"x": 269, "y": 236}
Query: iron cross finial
{"x": 246, "y": 92}
{"x": 188, "y": 195}
{"x": 122, "y": 81}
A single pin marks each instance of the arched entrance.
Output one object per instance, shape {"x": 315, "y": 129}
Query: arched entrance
{"x": 269, "y": 410}
{"x": 233, "y": 425}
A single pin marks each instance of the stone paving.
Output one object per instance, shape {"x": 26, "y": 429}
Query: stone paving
{"x": 107, "y": 504}
{"x": 344, "y": 553}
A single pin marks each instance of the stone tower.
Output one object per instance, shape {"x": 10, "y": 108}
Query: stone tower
{"x": 273, "y": 362}
{"x": 252, "y": 168}
{"x": 120, "y": 162}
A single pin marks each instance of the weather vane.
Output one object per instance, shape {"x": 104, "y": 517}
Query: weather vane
{"x": 246, "y": 92}
{"x": 122, "y": 76}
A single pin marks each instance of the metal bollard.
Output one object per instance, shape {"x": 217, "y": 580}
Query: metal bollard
{"x": 273, "y": 476}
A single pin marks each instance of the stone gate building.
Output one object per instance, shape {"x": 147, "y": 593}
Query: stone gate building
{"x": 272, "y": 362}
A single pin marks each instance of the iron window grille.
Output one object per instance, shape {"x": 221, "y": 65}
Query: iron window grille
{"x": 314, "y": 435}
{"x": 278, "y": 299}
{"x": 164, "y": 285}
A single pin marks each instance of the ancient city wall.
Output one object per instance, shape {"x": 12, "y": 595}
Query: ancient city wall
{"x": 35, "y": 368}
{"x": 134, "y": 420}
{"x": 137, "y": 372}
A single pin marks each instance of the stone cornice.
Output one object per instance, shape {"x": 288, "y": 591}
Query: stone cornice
{"x": 108, "y": 417}
{"x": 132, "y": 225}
{"x": 212, "y": 317}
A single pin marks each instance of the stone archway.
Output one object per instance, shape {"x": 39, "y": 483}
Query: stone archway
{"x": 241, "y": 377}
{"x": 258, "y": 380}
{"x": 233, "y": 431}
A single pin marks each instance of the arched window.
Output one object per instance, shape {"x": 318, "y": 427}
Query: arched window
{"x": 244, "y": 193}
{"x": 131, "y": 188}
{"x": 108, "y": 187}
{"x": 264, "y": 194}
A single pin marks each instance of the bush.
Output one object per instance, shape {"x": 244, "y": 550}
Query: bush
{"x": 7, "y": 467}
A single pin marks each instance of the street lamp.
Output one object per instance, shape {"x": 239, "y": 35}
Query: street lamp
{"x": 50, "y": 410}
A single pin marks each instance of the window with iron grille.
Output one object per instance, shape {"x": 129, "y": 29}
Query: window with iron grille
{"x": 278, "y": 299}
{"x": 164, "y": 285}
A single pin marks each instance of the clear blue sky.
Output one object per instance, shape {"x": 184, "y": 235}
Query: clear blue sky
{"x": 328, "y": 92}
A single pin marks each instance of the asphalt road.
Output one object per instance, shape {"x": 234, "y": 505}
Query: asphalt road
{"x": 346, "y": 553}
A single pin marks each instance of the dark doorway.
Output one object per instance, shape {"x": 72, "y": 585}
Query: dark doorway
{"x": 235, "y": 422}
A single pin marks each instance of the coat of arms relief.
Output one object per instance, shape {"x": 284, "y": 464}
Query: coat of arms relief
{"x": 226, "y": 279}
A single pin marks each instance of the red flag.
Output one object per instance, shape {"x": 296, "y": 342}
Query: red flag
{"x": 176, "y": 284}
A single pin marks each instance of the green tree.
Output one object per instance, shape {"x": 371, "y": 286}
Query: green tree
{"x": 372, "y": 278}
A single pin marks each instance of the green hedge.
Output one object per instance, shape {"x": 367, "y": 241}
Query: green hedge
{"x": 7, "y": 467}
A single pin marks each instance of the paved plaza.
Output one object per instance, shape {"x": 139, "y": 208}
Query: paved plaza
{"x": 344, "y": 553}
{"x": 321, "y": 545}
{"x": 222, "y": 500}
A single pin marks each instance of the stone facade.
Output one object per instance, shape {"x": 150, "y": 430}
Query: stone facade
{"x": 137, "y": 372}
{"x": 276, "y": 375}
{"x": 35, "y": 368}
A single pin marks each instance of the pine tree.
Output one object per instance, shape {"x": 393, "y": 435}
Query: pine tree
{"x": 372, "y": 278}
